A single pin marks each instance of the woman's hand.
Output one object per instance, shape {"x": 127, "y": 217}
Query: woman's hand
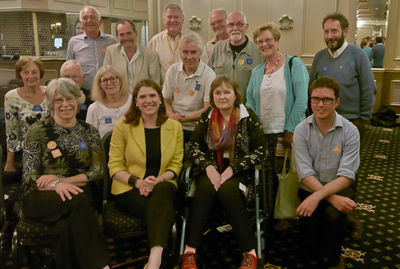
{"x": 227, "y": 174}
{"x": 287, "y": 140}
{"x": 43, "y": 181}
{"x": 146, "y": 185}
{"x": 214, "y": 176}
{"x": 65, "y": 190}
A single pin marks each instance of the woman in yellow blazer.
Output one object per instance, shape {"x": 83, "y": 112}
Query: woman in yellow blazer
{"x": 146, "y": 154}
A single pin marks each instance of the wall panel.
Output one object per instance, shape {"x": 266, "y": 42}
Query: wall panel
{"x": 314, "y": 12}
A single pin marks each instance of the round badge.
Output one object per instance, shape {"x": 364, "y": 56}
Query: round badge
{"x": 241, "y": 61}
{"x": 176, "y": 90}
{"x": 191, "y": 92}
{"x": 51, "y": 145}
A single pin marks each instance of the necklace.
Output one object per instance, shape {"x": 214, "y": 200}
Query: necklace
{"x": 116, "y": 109}
{"x": 273, "y": 69}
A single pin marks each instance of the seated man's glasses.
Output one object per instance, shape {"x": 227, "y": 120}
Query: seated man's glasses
{"x": 325, "y": 100}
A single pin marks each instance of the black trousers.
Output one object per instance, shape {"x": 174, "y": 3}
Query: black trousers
{"x": 79, "y": 241}
{"x": 157, "y": 209}
{"x": 233, "y": 203}
{"x": 361, "y": 128}
{"x": 327, "y": 224}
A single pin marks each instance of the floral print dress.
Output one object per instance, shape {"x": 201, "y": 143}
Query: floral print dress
{"x": 19, "y": 115}
{"x": 50, "y": 149}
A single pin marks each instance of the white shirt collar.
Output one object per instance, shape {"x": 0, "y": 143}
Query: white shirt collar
{"x": 338, "y": 51}
{"x": 135, "y": 56}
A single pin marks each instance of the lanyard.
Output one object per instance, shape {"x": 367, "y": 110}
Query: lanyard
{"x": 169, "y": 43}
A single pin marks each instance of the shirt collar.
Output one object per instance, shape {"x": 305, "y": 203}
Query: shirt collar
{"x": 137, "y": 53}
{"x": 337, "y": 123}
{"x": 338, "y": 51}
{"x": 243, "y": 112}
{"x": 180, "y": 33}
{"x": 84, "y": 35}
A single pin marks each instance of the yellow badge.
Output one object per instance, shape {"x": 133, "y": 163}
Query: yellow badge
{"x": 56, "y": 153}
{"x": 337, "y": 150}
{"x": 191, "y": 92}
{"x": 51, "y": 145}
{"x": 176, "y": 90}
{"x": 171, "y": 62}
{"x": 104, "y": 50}
{"x": 240, "y": 61}
{"x": 341, "y": 67}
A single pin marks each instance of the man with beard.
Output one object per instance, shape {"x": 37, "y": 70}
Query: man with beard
{"x": 89, "y": 48}
{"x": 218, "y": 24}
{"x": 130, "y": 58}
{"x": 350, "y": 67}
{"x": 187, "y": 85}
{"x": 166, "y": 43}
{"x": 238, "y": 55}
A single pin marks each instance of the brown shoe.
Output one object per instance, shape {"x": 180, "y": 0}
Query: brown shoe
{"x": 340, "y": 265}
{"x": 249, "y": 261}
{"x": 189, "y": 261}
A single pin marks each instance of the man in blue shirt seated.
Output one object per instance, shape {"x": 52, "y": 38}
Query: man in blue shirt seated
{"x": 327, "y": 156}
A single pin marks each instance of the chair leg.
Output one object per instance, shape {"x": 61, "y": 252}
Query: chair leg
{"x": 2, "y": 245}
{"x": 184, "y": 220}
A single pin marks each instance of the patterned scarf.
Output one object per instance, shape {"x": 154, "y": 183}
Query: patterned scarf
{"x": 223, "y": 139}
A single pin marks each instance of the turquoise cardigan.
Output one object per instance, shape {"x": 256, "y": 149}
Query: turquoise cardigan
{"x": 296, "y": 91}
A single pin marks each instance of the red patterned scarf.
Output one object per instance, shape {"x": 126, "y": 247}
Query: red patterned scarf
{"x": 223, "y": 139}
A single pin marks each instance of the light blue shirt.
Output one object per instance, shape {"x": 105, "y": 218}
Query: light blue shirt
{"x": 89, "y": 53}
{"x": 330, "y": 156}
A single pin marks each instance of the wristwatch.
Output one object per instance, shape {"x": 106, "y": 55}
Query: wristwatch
{"x": 53, "y": 184}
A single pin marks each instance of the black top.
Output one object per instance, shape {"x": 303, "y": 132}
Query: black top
{"x": 239, "y": 48}
{"x": 153, "y": 151}
{"x": 84, "y": 107}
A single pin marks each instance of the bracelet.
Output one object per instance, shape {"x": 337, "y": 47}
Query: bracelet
{"x": 163, "y": 178}
{"x": 53, "y": 184}
{"x": 132, "y": 181}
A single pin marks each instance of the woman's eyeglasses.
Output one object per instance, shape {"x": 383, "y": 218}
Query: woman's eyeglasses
{"x": 104, "y": 81}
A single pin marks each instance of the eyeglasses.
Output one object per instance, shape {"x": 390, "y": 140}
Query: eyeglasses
{"x": 175, "y": 18}
{"x": 69, "y": 100}
{"x": 325, "y": 100}
{"x": 267, "y": 40}
{"x": 238, "y": 24}
{"x": 71, "y": 77}
{"x": 218, "y": 22}
{"x": 111, "y": 79}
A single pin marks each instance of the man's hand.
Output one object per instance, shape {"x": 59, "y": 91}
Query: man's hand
{"x": 341, "y": 203}
{"x": 307, "y": 207}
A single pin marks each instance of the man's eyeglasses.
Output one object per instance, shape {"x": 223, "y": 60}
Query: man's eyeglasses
{"x": 325, "y": 100}
{"x": 267, "y": 40}
{"x": 111, "y": 79}
{"x": 238, "y": 24}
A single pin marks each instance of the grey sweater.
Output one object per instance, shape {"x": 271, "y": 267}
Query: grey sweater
{"x": 352, "y": 70}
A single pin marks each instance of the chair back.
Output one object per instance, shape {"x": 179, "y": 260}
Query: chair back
{"x": 15, "y": 81}
{"x": 2, "y": 202}
{"x": 105, "y": 149}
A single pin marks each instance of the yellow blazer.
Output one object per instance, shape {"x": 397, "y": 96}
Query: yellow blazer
{"x": 128, "y": 151}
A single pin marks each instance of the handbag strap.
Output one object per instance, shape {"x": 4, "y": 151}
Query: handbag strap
{"x": 284, "y": 163}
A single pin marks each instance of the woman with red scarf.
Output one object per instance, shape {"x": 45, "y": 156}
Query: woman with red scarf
{"x": 224, "y": 147}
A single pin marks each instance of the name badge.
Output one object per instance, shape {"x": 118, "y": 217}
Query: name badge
{"x": 82, "y": 145}
{"x": 108, "y": 120}
{"x": 56, "y": 153}
{"x": 325, "y": 69}
{"x": 37, "y": 108}
{"x": 249, "y": 61}
{"x": 83, "y": 107}
{"x": 197, "y": 87}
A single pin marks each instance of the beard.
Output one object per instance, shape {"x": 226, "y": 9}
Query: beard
{"x": 335, "y": 43}
{"x": 236, "y": 36}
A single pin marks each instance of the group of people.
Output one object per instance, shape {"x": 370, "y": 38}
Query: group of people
{"x": 374, "y": 50}
{"x": 243, "y": 94}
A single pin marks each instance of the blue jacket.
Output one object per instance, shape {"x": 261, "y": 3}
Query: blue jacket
{"x": 296, "y": 91}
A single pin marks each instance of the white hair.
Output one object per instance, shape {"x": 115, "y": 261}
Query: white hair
{"x": 244, "y": 16}
{"x": 67, "y": 87}
{"x": 189, "y": 38}
{"x": 97, "y": 12}
{"x": 221, "y": 9}
{"x": 70, "y": 62}
{"x": 174, "y": 6}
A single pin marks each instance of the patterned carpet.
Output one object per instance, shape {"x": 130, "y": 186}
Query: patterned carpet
{"x": 379, "y": 212}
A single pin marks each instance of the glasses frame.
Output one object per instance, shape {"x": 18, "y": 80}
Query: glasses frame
{"x": 267, "y": 41}
{"x": 69, "y": 100}
{"x": 239, "y": 25}
{"x": 330, "y": 100}
{"x": 111, "y": 79}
